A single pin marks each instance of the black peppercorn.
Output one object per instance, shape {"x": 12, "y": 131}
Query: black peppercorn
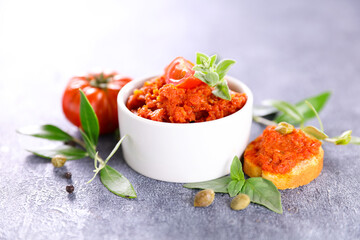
{"x": 70, "y": 188}
{"x": 68, "y": 175}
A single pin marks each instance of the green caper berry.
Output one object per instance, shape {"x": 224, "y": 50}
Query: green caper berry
{"x": 240, "y": 202}
{"x": 58, "y": 161}
{"x": 284, "y": 128}
{"x": 204, "y": 198}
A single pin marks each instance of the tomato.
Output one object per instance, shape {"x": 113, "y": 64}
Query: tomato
{"x": 180, "y": 73}
{"x": 101, "y": 89}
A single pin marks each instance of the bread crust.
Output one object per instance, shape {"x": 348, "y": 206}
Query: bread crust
{"x": 303, "y": 172}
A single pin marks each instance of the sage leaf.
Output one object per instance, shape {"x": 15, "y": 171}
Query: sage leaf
{"x": 287, "y": 108}
{"x": 263, "y": 192}
{"x": 316, "y": 133}
{"x": 212, "y": 78}
{"x": 116, "y": 182}
{"x": 318, "y": 102}
{"x": 343, "y": 139}
{"x": 48, "y": 131}
{"x": 201, "y": 76}
{"x": 236, "y": 172}
{"x": 213, "y": 60}
{"x": 88, "y": 118}
{"x": 213, "y": 74}
{"x": 235, "y": 187}
{"x": 223, "y": 67}
{"x": 71, "y": 153}
{"x": 222, "y": 91}
{"x": 355, "y": 140}
{"x": 89, "y": 145}
{"x": 201, "y": 57}
{"x": 217, "y": 185}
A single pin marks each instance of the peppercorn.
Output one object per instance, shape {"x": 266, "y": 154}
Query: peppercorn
{"x": 70, "y": 188}
{"x": 204, "y": 198}
{"x": 240, "y": 202}
{"x": 68, "y": 175}
{"x": 58, "y": 161}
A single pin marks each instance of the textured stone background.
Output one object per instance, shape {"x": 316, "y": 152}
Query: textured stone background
{"x": 285, "y": 50}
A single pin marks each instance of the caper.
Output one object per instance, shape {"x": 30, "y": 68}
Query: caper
{"x": 240, "y": 202}
{"x": 58, "y": 161}
{"x": 204, "y": 198}
{"x": 284, "y": 128}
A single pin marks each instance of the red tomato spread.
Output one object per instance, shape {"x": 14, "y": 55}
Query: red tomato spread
{"x": 163, "y": 102}
{"x": 277, "y": 153}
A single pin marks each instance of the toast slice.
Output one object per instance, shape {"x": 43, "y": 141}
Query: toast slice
{"x": 301, "y": 174}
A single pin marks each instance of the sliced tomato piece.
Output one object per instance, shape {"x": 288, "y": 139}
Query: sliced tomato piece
{"x": 179, "y": 72}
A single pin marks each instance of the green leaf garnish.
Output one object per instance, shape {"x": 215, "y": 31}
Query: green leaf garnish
{"x": 235, "y": 186}
{"x": 116, "y": 182}
{"x": 287, "y": 108}
{"x": 343, "y": 139}
{"x": 89, "y": 145}
{"x": 318, "y": 102}
{"x": 316, "y": 133}
{"x": 222, "y": 91}
{"x": 260, "y": 191}
{"x": 223, "y": 67}
{"x": 71, "y": 153}
{"x": 263, "y": 192}
{"x": 213, "y": 74}
{"x": 236, "y": 172}
{"x": 88, "y": 118}
{"x": 99, "y": 163}
{"x": 217, "y": 185}
{"x": 111, "y": 178}
{"x": 47, "y": 131}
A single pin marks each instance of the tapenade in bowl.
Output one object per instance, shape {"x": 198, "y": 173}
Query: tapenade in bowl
{"x": 179, "y": 129}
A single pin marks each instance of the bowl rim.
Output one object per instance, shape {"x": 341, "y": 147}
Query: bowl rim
{"x": 131, "y": 86}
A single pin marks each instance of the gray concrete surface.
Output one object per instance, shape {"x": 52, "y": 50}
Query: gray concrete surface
{"x": 285, "y": 50}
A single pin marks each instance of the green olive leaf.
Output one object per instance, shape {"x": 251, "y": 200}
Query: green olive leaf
{"x": 116, "y": 182}
{"x": 222, "y": 91}
{"x": 343, "y": 139}
{"x": 223, "y": 67}
{"x": 263, "y": 192}
{"x": 71, "y": 153}
{"x": 287, "y": 108}
{"x": 318, "y": 102}
{"x": 89, "y": 145}
{"x": 217, "y": 185}
{"x": 236, "y": 172}
{"x": 88, "y": 118}
{"x": 48, "y": 131}
{"x": 355, "y": 140}
{"x": 316, "y": 133}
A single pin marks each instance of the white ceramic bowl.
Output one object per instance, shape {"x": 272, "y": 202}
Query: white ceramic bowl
{"x": 183, "y": 152}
